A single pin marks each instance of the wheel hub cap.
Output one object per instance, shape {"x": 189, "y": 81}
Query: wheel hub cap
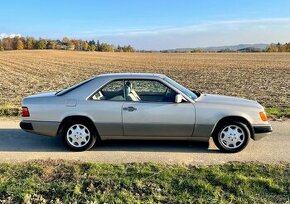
{"x": 78, "y": 135}
{"x": 232, "y": 137}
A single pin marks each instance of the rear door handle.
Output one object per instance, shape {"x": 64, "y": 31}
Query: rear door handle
{"x": 130, "y": 108}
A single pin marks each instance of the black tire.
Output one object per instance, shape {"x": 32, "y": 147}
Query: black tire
{"x": 85, "y": 128}
{"x": 240, "y": 141}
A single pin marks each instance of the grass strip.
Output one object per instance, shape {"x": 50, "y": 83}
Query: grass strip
{"x": 278, "y": 112}
{"x": 9, "y": 110}
{"x": 72, "y": 182}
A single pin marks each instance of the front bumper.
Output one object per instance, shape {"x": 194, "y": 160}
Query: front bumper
{"x": 261, "y": 131}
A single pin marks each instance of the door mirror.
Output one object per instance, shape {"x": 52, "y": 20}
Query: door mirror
{"x": 178, "y": 98}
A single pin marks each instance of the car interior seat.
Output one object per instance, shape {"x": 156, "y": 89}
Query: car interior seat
{"x": 130, "y": 93}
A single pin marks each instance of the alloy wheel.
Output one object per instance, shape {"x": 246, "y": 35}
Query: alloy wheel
{"x": 231, "y": 137}
{"x": 78, "y": 135}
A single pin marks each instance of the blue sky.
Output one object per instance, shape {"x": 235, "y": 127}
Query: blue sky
{"x": 151, "y": 24}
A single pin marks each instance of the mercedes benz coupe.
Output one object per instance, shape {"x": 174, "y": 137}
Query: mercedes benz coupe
{"x": 144, "y": 107}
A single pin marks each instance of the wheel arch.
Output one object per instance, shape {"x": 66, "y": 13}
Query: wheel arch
{"x": 233, "y": 118}
{"x": 77, "y": 117}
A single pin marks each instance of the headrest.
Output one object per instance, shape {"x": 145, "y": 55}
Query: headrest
{"x": 128, "y": 87}
{"x": 129, "y": 84}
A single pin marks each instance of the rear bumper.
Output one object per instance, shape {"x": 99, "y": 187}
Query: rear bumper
{"x": 261, "y": 131}
{"x": 48, "y": 128}
{"x": 26, "y": 126}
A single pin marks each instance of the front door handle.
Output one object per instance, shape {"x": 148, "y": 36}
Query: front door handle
{"x": 130, "y": 108}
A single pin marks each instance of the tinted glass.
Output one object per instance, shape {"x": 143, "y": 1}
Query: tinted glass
{"x": 148, "y": 91}
{"x": 181, "y": 88}
{"x": 113, "y": 91}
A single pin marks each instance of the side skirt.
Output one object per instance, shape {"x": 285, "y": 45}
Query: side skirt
{"x": 200, "y": 139}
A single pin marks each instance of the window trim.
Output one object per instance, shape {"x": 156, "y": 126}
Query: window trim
{"x": 166, "y": 84}
{"x": 133, "y": 79}
{"x": 90, "y": 97}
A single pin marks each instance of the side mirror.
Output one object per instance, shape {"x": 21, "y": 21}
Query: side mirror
{"x": 178, "y": 98}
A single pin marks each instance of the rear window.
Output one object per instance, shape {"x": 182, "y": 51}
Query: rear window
{"x": 69, "y": 89}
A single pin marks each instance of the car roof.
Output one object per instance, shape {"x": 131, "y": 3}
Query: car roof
{"x": 131, "y": 75}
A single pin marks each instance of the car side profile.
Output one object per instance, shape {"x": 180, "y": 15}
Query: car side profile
{"x": 145, "y": 107}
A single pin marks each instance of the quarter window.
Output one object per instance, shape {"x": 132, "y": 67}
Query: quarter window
{"x": 113, "y": 91}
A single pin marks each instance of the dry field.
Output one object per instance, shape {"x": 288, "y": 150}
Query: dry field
{"x": 260, "y": 76}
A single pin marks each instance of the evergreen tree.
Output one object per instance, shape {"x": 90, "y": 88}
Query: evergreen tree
{"x": 92, "y": 47}
{"x": 98, "y": 46}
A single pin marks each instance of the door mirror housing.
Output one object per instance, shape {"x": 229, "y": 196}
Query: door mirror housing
{"x": 179, "y": 98}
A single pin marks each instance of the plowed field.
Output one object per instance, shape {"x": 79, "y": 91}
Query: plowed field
{"x": 264, "y": 77}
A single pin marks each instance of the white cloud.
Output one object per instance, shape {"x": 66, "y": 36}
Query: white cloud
{"x": 198, "y": 27}
{"x": 12, "y": 35}
{"x": 212, "y": 33}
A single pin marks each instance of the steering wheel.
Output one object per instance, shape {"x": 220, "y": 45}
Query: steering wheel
{"x": 168, "y": 95}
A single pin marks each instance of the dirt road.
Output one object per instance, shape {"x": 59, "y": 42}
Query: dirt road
{"x": 17, "y": 145}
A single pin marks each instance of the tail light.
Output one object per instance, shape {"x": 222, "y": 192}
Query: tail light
{"x": 25, "y": 112}
{"x": 263, "y": 116}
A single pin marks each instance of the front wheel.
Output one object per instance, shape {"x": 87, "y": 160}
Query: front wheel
{"x": 79, "y": 135}
{"x": 231, "y": 136}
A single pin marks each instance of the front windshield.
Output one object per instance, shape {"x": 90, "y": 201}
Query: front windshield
{"x": 184, "y": 90}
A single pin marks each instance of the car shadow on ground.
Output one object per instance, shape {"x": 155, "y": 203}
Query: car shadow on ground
{"x": 20, "y": 141}
{"x": 16, "y": 140}
{"x": 154, "y": 146}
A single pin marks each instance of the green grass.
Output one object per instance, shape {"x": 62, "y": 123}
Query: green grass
{"x": 9, "y": 110}
{"x": 278, "y": 112}
{"x": 60, "y": 181}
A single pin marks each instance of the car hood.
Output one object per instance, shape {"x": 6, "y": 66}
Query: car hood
{"x": 227, "y": 100}
{"x": 41, "y": 95}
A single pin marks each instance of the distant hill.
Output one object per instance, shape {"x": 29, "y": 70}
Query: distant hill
{"x": 237, "y": 47}
{"x": 228, "y": 48}
{"x": 250, "y": 49}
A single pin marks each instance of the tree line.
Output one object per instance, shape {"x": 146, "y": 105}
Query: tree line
{"x": 30, "y": 43}
{"x": 279, "y": 47}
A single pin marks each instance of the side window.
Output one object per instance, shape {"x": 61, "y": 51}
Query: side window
{"x": 148, "y": 91}
{"x": 113, "y": 91}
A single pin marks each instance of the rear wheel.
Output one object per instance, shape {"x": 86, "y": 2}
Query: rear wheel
{"x": 79, "y": 135}
{"x": 231, "y": 136}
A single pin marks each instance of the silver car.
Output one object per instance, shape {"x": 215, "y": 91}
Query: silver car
{"x": 145, "y": 107}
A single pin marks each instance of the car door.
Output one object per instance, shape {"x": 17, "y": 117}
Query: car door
{"x": 105, "y": 107}
{"x": 156, "y": 114}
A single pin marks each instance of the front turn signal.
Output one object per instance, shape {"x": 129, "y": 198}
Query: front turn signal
{"x": 263, "y": 116}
